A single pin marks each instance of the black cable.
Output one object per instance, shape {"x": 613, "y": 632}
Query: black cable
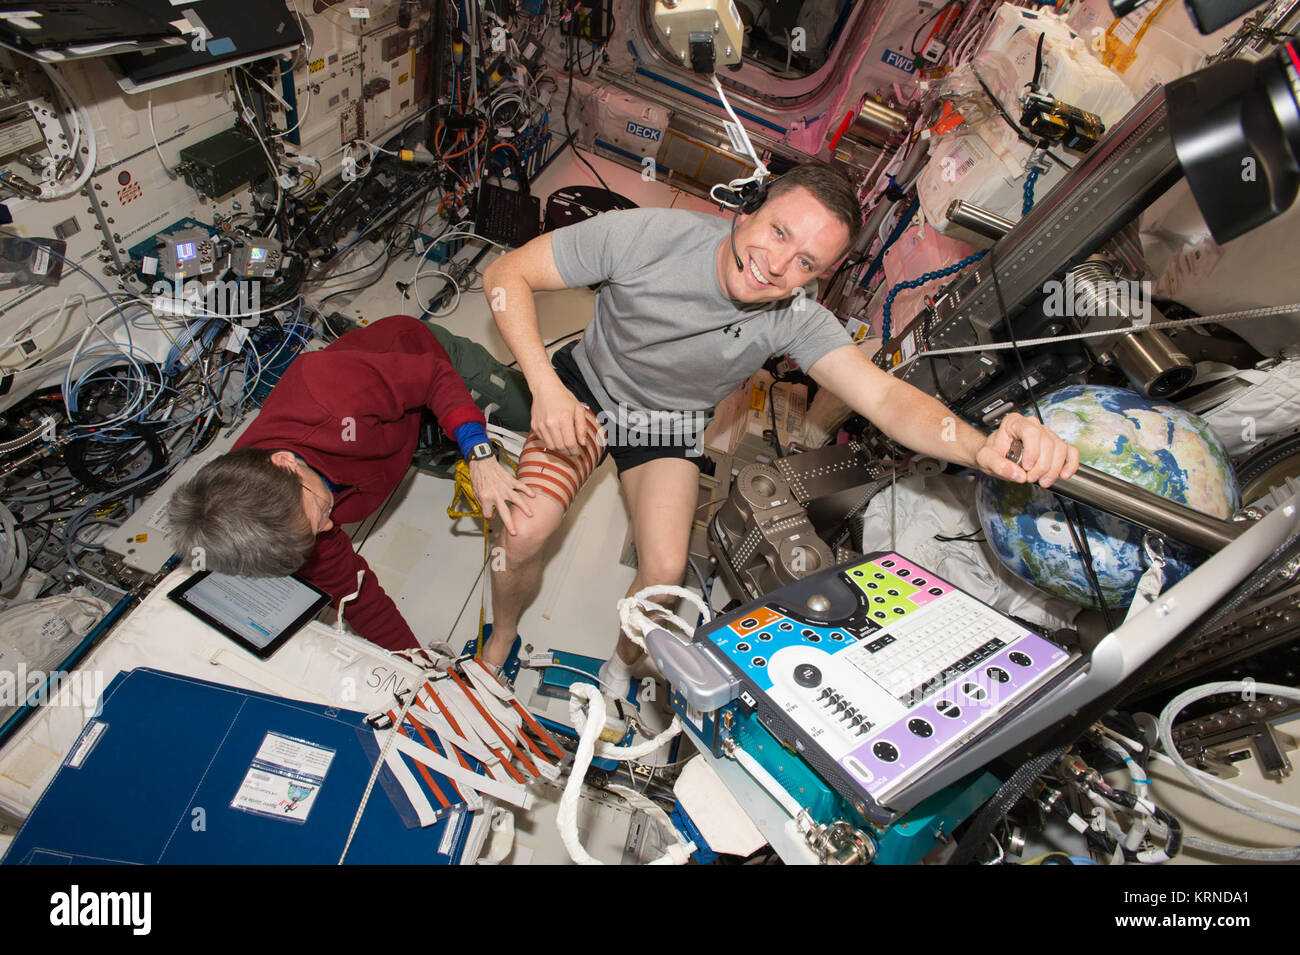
{"x": 359, "y": 268}
{"x": 553, "y": 342}
{"x": 1000, "y": 804}
{"x": 925, "y": 23}
{"x": 774, "y": 434}
{"x": 382, "y": 273}
{"x": 1079, "y": 534}
{"x": 571, "y": 138}
{"x": 1015, "y": 127}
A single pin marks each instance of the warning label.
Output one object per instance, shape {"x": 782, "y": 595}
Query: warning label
{"x": 129, "y": 193}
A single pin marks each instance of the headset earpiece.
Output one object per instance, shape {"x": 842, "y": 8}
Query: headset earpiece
{"x": 752, "y": 196}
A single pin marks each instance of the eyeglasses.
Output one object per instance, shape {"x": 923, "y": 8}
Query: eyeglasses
{"x": 325, "y": 505}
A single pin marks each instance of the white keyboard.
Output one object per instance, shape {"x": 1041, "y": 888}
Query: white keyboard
{"x": 931, "y": 647}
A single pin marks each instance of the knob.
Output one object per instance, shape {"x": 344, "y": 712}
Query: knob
{"x": 818, "y": 603}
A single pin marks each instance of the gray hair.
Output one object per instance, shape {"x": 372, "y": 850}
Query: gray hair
{"x": 242, "y": 515}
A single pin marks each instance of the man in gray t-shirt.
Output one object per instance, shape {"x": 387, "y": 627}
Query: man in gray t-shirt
{"x": 689, "y": 310}
{"x": 666, "y": 336}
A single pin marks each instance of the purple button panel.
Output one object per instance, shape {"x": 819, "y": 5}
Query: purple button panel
{"x": 964, "y": 707}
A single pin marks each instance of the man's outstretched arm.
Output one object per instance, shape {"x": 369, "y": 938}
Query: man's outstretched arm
{"x": 509, "y": 284}
{"x": 918, "y": 421}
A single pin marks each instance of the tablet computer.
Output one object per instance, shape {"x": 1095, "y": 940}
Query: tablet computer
{"x": 258, "y": 613}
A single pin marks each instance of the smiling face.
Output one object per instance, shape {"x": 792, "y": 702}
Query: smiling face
{"x": 790, "y": 239}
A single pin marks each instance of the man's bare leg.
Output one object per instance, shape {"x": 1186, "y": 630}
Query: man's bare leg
{"x": 661, "y": 498}
{"x": 516, "y": 569}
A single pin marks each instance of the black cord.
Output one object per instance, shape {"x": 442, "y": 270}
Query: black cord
{"x": 359, "y": 288}
{"x": 1008, "y": 794}
{"x": 1015, "y": 127}
{"x": 773, "y": 434}
{"x": 569, "y": 133}
{"x": 925, "y": 23}
{"x": 553, "y": 342}
{"x": 1038, "y": 63}
{"x": 1078, "y": 536}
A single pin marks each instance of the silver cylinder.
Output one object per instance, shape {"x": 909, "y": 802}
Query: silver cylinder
{"x": 977, "y": 220}
{"x": 1097, "y": 291}
{"x": 871, "y": 228}
{"x": 878, "y": 124}
{"x": 1142, "y": 507}
{"x": 1153, "y": 364}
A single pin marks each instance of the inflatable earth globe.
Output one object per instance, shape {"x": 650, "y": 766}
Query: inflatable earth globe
{"x": 1157, "y": 446}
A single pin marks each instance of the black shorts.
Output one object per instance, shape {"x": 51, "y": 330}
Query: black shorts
{"x": 625, "y": 456}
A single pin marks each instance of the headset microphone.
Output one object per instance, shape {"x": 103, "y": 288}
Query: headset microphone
{"x": 734, "y": 254}
{"x": 751, "y": 196}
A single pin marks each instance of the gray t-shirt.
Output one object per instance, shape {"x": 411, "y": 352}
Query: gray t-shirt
{"x": 665, "y": 336}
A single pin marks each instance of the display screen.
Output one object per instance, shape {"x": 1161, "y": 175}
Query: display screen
{"x": 259, "y": 613}
{"x": 184, "y": 251}
{"x": 257, "y": 255}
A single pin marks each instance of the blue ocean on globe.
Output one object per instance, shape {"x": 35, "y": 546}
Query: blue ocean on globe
{"x": 1155, "y": 445}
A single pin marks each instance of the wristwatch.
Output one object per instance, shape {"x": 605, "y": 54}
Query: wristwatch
{"x": 483, "y": 449}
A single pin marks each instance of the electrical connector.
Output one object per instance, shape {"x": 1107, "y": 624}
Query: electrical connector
{"x": 538, "y": 660}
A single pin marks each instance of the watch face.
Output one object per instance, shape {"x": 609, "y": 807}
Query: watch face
{"x": 480, "y": 451}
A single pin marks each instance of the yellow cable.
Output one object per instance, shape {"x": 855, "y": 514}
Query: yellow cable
{"x": 464, "y": 491}
{"x": 1119, "y": 55}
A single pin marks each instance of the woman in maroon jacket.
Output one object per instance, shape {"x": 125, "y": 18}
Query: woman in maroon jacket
{"x": 329, "y": 446}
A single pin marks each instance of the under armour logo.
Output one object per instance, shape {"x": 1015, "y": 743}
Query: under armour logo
{"x": 733, "y": 330}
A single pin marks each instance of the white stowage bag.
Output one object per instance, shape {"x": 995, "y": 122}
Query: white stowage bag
{"x": 39, "y": 633}
{"x": 629, "y": 123}
{"x": 1269, "y": 407}
{"x": 945, "y": 505}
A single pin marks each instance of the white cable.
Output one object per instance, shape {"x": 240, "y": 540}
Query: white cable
{"x": 13, "y": 556}
{"x": 425, "y": 308}
{"x": 1238, "y": 316}
{"x": 1209, "y": 777}
{"x": 419, "y": 269}
{"x": 1245, "y": 853}
{"x": 374, "y": 148}
{"x": 249, "y": 117}
{"x": 761, "y": 171}
{"x": 303, "y": 115}
{"x": 609, "y": 750}
{"x": 156, "y": 147}
{"x": 30, "y": 331}
{"x": 567, "y": 819}
{"x": 81, "y": 119}
{"x": 1166, "y": 729}
{"x": 1225, "y": 784}
{"x": 200, "y": 312}
{"x": 635, "y": 623}
{"x": 1144, "y": 810}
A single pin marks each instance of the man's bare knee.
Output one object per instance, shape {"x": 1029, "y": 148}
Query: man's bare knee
{"x": 527, "y": 543}
{"x": 662, "y": 569}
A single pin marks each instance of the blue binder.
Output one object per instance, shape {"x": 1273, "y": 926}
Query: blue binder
{"x": 153, "y": 777}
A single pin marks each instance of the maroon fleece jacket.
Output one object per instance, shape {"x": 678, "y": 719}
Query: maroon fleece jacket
{"x": 352, "y": 412}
